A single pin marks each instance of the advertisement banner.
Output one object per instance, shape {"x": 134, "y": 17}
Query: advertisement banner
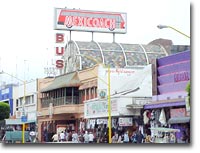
{"x": 123, "y": 80}
{"x": 91, "y": 21}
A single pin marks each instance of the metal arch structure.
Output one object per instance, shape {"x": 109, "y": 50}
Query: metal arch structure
{"x": 123, "y": 53}
{"x": 73, "y": 62}
{"x": 103, "y": 59}
{"x": 145, "y": 53}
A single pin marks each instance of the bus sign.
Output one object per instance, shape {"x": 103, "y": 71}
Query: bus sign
{"x": 91, "y": 21}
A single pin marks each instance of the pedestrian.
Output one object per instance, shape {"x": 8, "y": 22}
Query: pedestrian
{"x": 126, "y": 137}
{"x": 75, "y": 137}
{"x": 45, "y": 135}
{"x": 55, "y": 137}
{"x": 115, "y": 137}
{"x": 134, "y": 137}
{"x": 91, "y": 137}
{"x": 172, "y": 138}
{"x": 62, "y": 136}
{"x": 139, "y": 137}
{"x": 86, "y": 137}
{"x": 32, "y": 136}
{"x": 119, "y": 139}
{"x": 66, "y": 135}
{"x": 184, "y": 137}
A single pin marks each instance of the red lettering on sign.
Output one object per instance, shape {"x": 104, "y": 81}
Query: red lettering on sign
{"x": 182, "y": 76}
{"x": 90, "y": 22}
{"x": 60, "y": 50}
{"x": 59, "y": 38}
{"x": 59, "y": 64}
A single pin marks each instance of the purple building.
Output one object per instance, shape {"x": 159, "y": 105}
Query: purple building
{"x": 173, "y": 75}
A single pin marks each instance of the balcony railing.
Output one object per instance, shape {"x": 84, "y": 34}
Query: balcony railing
{"x": 59, "y": 101}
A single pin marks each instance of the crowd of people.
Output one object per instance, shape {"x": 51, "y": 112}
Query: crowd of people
{"x": 101, "y": 137}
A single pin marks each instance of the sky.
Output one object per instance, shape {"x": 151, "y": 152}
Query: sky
{"x": 28, "y": 37}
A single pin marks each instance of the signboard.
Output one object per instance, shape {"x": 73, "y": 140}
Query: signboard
{"x": 60, "y": 49}
{"x": 99, "y": 109}
{"x": 24, "y": 119}
{"x": 102, "y": 94}
{"x": 91, "y": 21}
{"x": 125, "y": 121}
{"x": 61, "y": 128}
{"x": 179, "y": 112}
{"x": 181, "y": 76}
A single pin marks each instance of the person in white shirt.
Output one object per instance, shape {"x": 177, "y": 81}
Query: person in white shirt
{"x": 62, "y": 136}
{"x": 91, "y": 137}
{"x": 86, "y": 137}
{"x": 55, "y": 137}
{"x": 75, "y": 137}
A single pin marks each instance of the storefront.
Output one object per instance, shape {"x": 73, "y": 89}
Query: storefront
{"x": 170, "y": 107}
{"x": 130, "y": 90}
{"x": 122, "y": 119}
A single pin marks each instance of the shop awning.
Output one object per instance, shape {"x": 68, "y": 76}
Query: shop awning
{"x": 17, "y": 121}
{"x": 134, "y": 106}
{"x": 165, "y": 103}
{"x": 179, "y": 120}
{"x": 66, "y": 80}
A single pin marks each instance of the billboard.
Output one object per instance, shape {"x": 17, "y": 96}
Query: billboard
{"x": 124, "y": 80}
{"x": 91, "y": 21}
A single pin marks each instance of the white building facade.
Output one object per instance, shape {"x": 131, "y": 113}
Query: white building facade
{"x": 29, "y": 107}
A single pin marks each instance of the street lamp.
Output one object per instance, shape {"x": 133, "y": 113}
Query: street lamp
{"x": 108, "y": 90}
{"x": 165, "y": 26}
{"x": 23, "y": 111}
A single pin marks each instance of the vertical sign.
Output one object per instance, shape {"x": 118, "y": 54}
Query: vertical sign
{"x": 60, "y": 49}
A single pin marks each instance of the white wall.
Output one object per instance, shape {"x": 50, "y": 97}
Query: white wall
{"x": 30, "y": 91}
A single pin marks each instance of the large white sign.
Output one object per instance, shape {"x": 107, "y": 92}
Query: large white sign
{"x": 92, "y": 21}
{"x": 126, "y": 80}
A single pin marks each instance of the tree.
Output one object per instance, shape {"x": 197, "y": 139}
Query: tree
{"x": 4, "y": 110}
{"x": 188, "y": 89}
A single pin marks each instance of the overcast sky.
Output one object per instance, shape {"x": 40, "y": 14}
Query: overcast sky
{"x": 28, "y": 39}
